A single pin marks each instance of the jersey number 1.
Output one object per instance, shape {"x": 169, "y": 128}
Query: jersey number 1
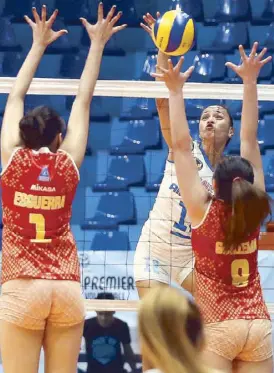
{"x": 40, "y": 228}
{"x": 182, "y": 225}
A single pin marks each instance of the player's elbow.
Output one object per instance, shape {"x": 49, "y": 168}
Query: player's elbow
{"x": 182, "y": 144}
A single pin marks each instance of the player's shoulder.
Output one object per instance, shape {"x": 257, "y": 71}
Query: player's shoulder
{"x": 120, "y": 322}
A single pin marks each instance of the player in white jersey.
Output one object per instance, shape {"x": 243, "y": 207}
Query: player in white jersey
{"x": 164, "y": 253}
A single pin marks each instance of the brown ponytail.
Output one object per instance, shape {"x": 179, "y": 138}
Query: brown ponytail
{"x": 250, "y": 208}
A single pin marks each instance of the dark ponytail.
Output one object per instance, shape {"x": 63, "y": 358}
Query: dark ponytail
{"x": 39, "y": 127}
{"x": 250, "y": 208}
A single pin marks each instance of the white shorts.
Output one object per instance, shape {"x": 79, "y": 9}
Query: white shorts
{"x": 162, "y": 262}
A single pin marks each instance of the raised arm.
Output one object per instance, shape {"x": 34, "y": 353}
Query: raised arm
{"x": 161, "y": 103}
{"x": 43, "y": 35}
{"x": 75, "y": 141}
{"x": 249, "y": 71}
{"x": 193, "y": 193}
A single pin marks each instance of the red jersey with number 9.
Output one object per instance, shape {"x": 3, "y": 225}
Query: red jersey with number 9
{"x": 38, "y": 188}
{"x": 227, "y": 285}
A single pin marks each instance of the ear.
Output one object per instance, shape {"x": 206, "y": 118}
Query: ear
{"x": 230, "y": 132}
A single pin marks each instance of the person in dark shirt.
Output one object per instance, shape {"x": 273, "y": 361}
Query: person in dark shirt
{"x": 104, "y": 336}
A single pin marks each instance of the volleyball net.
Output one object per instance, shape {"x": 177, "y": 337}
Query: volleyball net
{"x": 110, "y": 269}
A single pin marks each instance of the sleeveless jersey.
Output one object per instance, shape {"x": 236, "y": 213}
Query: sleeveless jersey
{"x": 38, "y": 188}
{"x": 227, "y": 285}
{"x": 168, "y": 221}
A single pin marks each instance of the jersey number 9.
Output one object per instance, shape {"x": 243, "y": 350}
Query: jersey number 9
{"x": 240, "y": 272}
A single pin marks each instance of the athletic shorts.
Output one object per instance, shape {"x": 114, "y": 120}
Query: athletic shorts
{"x": 31, "y": 303}
{"x": 246, "y": 340}
{"x": 162, "y": 262}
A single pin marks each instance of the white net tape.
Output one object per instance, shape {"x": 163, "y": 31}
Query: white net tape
{"x": 124, "y": 88}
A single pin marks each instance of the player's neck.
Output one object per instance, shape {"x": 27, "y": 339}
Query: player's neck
{"x": 213, "y": 153}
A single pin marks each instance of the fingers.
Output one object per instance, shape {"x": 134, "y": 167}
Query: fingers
{"x": 179, "y": 65}
{"x": 261, "y": 54}
{"x": 242, "y": 53}
{"x": 157, "y": 75}
{"x": 165, "y": 71}
{"x": 231, "y": 66}
{"x": 116, "y": 19}
{"x": 100, "y": 12}
{"x": 158, "y": 14}
{"x": 265, "y": 61}
{"x": 254, "y": 50}
{"x": 189, "y": 72}
{"x": 119, "y": 28}
{"x": 35, "y": 15}
{"x": 111, "y": 13}
{"x": 52, "y": 18}
{"x": 29, "y": 21}
{"x": 84, "y": 22}
{"x": 146, "y": 28}
{"x": 150, "y": 18}
{"x": 60, "y": 33}
{"x": 44, "y": 13}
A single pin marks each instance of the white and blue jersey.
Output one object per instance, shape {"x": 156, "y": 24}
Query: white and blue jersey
{"x": 166, "y": 235}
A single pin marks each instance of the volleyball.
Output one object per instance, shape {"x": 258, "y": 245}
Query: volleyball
{"x": 174, "y": 33}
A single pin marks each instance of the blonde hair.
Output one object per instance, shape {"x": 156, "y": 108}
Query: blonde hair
{"x": 171, "y": 332}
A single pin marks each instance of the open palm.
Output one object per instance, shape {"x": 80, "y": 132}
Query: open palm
{"x": 42, "y": 29}
{"x": 251, "y": 65}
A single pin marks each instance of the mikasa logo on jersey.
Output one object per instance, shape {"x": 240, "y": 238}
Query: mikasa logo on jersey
{"x": 40, "y": 188}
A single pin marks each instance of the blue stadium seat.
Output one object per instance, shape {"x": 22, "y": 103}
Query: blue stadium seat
{"x": 110, "y": 240}
{"x": 265, "y": 73}
{"x": 268, "y": 12}
{"x": 17, "y": 9}
{"x": 57, "y": 103}
{"x": 232, "y": 10}
{"x": 72, "y": 10}
{"x": 194, "y": 108}
{"x": 269, "y": 177}
{"x": 269, "y": 38}
{"x": 61, "y": 45}
{"x": 228, "y": 37}
{"x": 7, "y": 36}
{"x": 72, "y": 65}
{"x": 97, "y": 111}
{"x": 192, "y": 7}
{"x": 208, "y": 67}
{"x": 141, "y": 135}
{"x": 123, "y": 172}
{"x": 141, "y": 108}
{"x": 113, "y": 209}
{"x": 235, "y": 108}
{"x": 126, "y": 6}
{"x": 268, "y": 132}
{"x": 194, "y": 129}
{"x": 234, "y": 145}
{"x": 154, "y": 185}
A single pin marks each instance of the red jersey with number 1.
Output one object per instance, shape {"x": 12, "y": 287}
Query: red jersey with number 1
{"x": 38, "y": 188}
{"x": 227, "y": 285}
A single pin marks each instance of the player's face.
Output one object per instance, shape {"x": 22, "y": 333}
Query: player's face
{"x": 105, "y": 319}
{"x": 215, "y": 125}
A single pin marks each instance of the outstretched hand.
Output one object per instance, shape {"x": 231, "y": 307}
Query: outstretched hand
{"x": 149, "y": 22}
{"x": 43, "y": 34}
{"x": 102, "y": 31}
{"x": 173, "y": 77}
{"x": 251, "y": 65}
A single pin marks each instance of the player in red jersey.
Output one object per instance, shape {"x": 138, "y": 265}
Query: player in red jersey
{"x": 41, "y": 302}
{"x": 225, "y": 230}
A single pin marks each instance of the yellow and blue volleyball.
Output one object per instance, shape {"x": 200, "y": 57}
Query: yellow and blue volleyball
{"x": 174, "y": 33}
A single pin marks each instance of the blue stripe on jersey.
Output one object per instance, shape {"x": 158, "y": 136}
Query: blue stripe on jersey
{"x": 175, "y": 37}
{"x": 205, "y": 156}
{"x": 181, "y": 236}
